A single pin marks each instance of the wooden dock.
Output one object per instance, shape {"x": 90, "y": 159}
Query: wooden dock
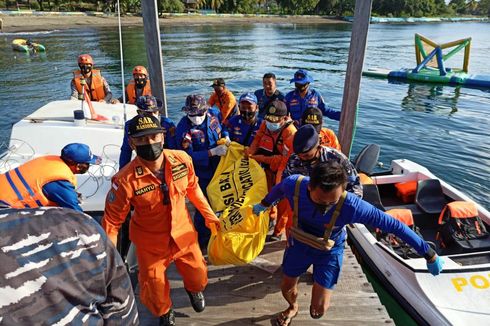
{"x": 250, "y": 295}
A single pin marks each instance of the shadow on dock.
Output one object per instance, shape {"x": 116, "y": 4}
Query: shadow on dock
{"x": 250, "y": 295}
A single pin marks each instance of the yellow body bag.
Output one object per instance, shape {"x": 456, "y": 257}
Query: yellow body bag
{"x": 238, "y": 183}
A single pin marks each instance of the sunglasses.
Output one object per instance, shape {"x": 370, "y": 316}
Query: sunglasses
{"x": 299, "y": 76}
{"x": 166, "y": 196}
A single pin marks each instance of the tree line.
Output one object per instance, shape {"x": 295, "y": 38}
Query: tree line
{"x": 338, "y": 8}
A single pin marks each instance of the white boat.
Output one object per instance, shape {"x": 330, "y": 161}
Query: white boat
{"x": 47, "y": 130}
{"x": 460, "y": 295}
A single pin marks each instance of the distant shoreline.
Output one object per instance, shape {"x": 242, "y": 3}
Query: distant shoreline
{"x": 46, "y": 22}
{"x": 32, "y": 21}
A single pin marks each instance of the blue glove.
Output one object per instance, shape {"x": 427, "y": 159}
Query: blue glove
{"x": 435, "y": 267}
{"x": 258, "y": 208}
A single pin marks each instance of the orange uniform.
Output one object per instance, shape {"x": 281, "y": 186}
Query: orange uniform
{"x": 161, "y": 227}
{"x": 328, "y": 138}
{"x": 273, "y": 150}
{"x": 226, "y": 103}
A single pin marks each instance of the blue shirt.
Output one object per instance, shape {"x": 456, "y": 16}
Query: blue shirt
{"x": 169, "y": 139}
{"x": 63, "y": 193}
{"x": 298, "y": 105}
{"x": 240, "y": 131}
{"x": 354, "y": 210}
{"x": 263, "y": 100}
{"x": 203, "y": 137}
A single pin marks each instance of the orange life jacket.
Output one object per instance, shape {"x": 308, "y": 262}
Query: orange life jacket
{"x": 23, "y": 186}
{"x": 131, "y": 91}
{"x": 96, "y": 90}
{"x": 328, "y": 138}
{"x": 272, "y": 143}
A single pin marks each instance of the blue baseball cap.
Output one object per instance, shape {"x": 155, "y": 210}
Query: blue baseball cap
{"x": 301, "y": 77}
{"x": 79, "y": 153}
{"x": 248, "y": 97}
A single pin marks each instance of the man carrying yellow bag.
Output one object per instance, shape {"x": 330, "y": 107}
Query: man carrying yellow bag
{"x": 238, "y": 184}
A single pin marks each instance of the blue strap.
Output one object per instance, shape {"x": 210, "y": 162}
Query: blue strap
{"x": 14, "y": 188}
{"x": 26, "y": 185}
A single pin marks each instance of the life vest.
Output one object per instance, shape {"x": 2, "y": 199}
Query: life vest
{"x": 395, "y": 243}
{"x": 22, "y": 187}
{"x": 270, "y": 143}
{"x": 96, "y": 91}
{"x": 460, "y": 225}
{"x": 131, "y": 91}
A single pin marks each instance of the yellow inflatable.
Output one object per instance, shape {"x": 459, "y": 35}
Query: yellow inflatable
{"x": 237, "y": 184}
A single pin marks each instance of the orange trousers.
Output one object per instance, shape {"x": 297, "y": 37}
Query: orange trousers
{"x": 284, "y": 218}
{"x": 154, "y": 285}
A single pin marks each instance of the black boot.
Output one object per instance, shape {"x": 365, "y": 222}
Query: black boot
{"x": 168, "y": 319}
{"x": 197, "y": 301}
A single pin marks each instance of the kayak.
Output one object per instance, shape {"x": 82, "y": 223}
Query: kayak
{"x": 21, "y": 46}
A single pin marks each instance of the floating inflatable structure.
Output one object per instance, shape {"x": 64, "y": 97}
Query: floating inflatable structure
{"x": 22, "y": 45}
{"x": 431, "y": 65}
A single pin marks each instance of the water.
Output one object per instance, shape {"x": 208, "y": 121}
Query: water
{"x": 444, "y": 128}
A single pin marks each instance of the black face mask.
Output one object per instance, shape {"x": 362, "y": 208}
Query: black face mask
{"x": 248, "y": 115}
{"x": 323, "y": 209}
{"x": 149, "y": 152}
{"x": 86, "y": 69}
{"x": 301, "y": 87}
{"x": 140, "y": 82}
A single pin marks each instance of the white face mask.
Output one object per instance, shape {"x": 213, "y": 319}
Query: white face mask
{"x": 197, "y": 120}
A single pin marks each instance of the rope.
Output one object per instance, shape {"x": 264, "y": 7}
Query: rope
{"x": 122, "y": 61}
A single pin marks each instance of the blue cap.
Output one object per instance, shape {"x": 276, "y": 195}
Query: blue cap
{"x": 248, "y": 97}
{"x": 305, "y": 139}
{"x": 79, "y": 153}
{"x": 301, "y": 77}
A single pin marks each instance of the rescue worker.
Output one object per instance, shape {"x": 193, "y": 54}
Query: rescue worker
{"x": 47, "y": 180}
{"x": 314, "y": 117}
{"x": 96, "y": 86}
{"x": 320, "y": 199}
{"x": 242, "y": 128}
{"x": 138, "y": 86}
{"x": 198, "y": 134}
{"x": 223, "y": 99}
{"x": 307, "y": 153}
{"x": 151, "y": 105}
{"x": 268, "y": 93}
{"x": 156, "y": 184}
{"x": 303, "y": 97}
{"x": 46, "y": 281}
{"x": 272, "y": 144}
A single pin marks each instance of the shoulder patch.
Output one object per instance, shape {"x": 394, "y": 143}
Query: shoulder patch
{"x": 139, "y": 170}
{"x": 111, "y": 196}
{"x": 179, "y": 171}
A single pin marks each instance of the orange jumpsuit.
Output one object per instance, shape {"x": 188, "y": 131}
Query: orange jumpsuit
{"x": 328, "y": 138}
{"x": 273, "y": 150}
{"x": 226, "y": 103}
{"x": 161, "y": 232}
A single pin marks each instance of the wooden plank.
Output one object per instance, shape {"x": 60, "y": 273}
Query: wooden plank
{"x": 245, "y": 295}
{"x": 357, "y": 49}
{"x": 151, "y": 26}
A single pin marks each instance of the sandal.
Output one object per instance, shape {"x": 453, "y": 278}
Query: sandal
{"x": 283, "y": 320}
